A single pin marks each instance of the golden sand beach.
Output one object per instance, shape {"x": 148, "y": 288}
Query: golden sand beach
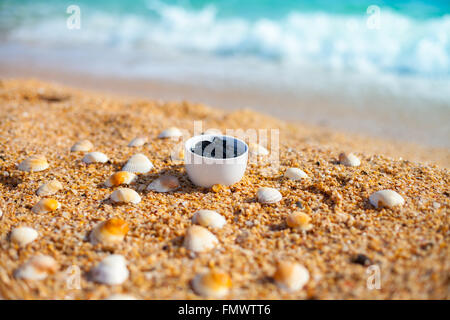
{"x": 408, "y": 244}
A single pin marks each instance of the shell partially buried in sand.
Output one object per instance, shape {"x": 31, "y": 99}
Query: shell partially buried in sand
{"x": 95, "y": 157}
{"x": 49, "y": 188}
{"x": 209, "y": 218}
{"x": 349, "y": 159}
{"x": 23, "y": 235}
{"x": 213, "y": 284}
{"x": 386, "y": 199}
{"x": 112, "y": 270}
{"x": 37, "y": 268}
{"x": 82, "y": 146}
{"x": 46, "y": 205}
{"x": 299, "y": 221}
{"x": 199, "y": 239}
{"x": 137, "y": 142}
{"x": 110, "y": 231}
{"x": 268, "y": 195}
{"x": 171, "y": 132}
{"x": 164, "y": 184}
{"x": 138, "y": 163}
{"x": 257, "y": 149}
{"x": 119, "y": 178}
{"x": 125, "y": 195}
{"x": 295, "y": 174}
{"x": 290, "y": 276}
{"x": 34, "y": 164}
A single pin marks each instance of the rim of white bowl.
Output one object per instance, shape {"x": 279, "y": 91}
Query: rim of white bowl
{"x": 189, "y": 143}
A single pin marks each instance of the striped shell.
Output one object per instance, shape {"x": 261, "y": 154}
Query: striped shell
{"x": 268, "y": 195}
{"x": 164, "y": 184}
{"x": 171, "y": 132}
{"x": 121, "y": 177}
{"x": 23, "y": 235}
{"x": 83, "y": 146}
{"x": 34, "y": 164}
{"x": 112, "y": 270}
{"x": 138, "y": 163}
{"x": 37, "y": 268}
{"x": 95, "y": 157}
{"x": 137, "y": 142}
{"x": 46, "y": 205}
{"x": 199, "y": 239}
{"x": 110, "y": 231}
{"x": 299, "y": 221}
{"x": 386, "y": 199}
{"x": 49, "y": 188}
{"x": 213, "y": 284}
{"x": 209, "y": 218}
{"x": 349, "y": 160}
{"x": 290, "y": 276}
{"x": 295, "y": 174}
{"x": 125, "y": 195}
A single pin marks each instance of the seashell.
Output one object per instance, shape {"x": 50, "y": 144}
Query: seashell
{"x": 110, "y": 231}
{"x": 94, "y": 157}
{"x": 164, "y": 184}
{"x": 199, "y": 239}
{"x": 23, "y": 235}
{"x": 125, "y": 195}
{"x": 1, "y": 213}
{"x": 138, "y": 163}
{"x": 49, "y": 188}
{"x": 213, "y": 284}
{"x": 290, "y": 276}
{"x": 37, "y": 268}
{"x": 46, "y": 205}
{"x": 111, "y": 270}
{"x": 349, "y": 159}
{"x": 268, "y": 195}
{"x": 386, "y": 199}
{"x": 295, "y": 174}
{"x": 299, "y": 221}
{"x": 137, "y": 142}
{"x": 212, "y": 131}
{"x": 171, "y": 132}
{"x": 121, "y": 296}
{"x": 209, "y": 218}
{"x": 83, "y": 145}
{"x": 121, "y": 177}
{"x": 257, "y": 149}
{"x": 34, "y": 164}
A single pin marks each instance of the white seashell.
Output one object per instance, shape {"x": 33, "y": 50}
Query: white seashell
{"x": 121, "y": 296}
{"x": 137, "y": 142}
{"x": 46, "y": 205}
{"x": 199, "y": 239}
{"x": 257, "y": 149}
{"x": 291, "y": 276}
{"x": 268, "y": 195}
{"x": 34, "y": 164}
{"x": 94, "y": 157}
{"x": 212, "y": 284}
{"x": 172, "y": 132}
{"x": 110, "y": 231}
{"x": 111, "y": 270}
{"x": 83, "y": 145}
{"x": 212, "y": 131}
{"x": 49, "y": 188}
{"x": 125, "y": 195}
{"x": 386, "y": 199}
{"x": 164, "y": 184}
{"x": 349, "y": 159}
{"x": 295, "y": 174}
{"x": 37, "y": 268}
{"x": 138, "y": 163}
{"x": 121, "y": 177}
{"x": 209, "y": 218}
{"x": 23, "y": 235}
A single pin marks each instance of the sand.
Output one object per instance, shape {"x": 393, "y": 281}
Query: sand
{"x": 408, "y": 244}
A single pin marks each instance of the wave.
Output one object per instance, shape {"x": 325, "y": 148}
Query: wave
{"x": 401, "y": 44}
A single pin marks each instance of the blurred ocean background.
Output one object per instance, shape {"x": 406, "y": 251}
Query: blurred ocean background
{"x": 338, "y": 63}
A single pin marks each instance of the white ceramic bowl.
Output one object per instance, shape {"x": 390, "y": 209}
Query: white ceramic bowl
{"x": 206, "y": 172}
